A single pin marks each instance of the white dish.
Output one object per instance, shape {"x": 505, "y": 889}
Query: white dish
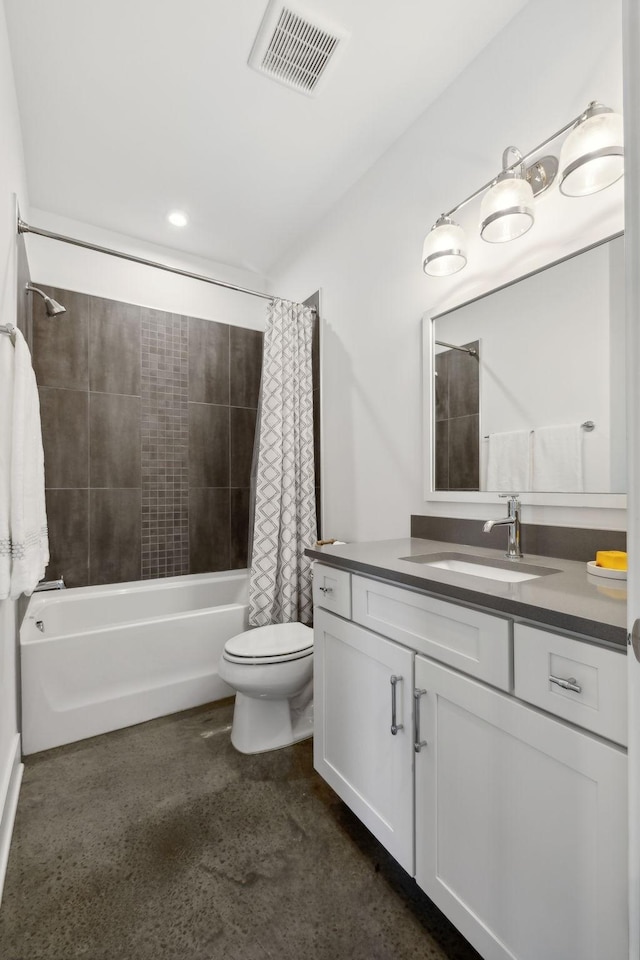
{"x": 592, "y": 567}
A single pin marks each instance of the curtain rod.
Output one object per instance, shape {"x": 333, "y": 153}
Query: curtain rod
{"x": 24, "y": 227}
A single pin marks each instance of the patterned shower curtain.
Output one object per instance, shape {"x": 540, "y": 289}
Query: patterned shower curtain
{"x": 285, "y": 509}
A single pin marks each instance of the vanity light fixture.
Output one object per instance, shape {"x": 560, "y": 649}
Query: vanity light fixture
{"x": 444, "y": 250}
{"x": 591, "y": 158}
{"x": 506, "y": 211}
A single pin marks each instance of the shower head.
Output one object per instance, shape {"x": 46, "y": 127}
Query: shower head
{"x": 52, "y": 307}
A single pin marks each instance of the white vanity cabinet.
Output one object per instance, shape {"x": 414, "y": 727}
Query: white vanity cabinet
{"x": 520, "y": 824}
{"x": 509, "y": 812}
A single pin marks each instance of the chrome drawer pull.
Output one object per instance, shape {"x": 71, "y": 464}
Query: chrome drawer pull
{"x": 394, "y": 726}
{"x": 569, "y": 684}
{"x": 325, "y": 589}
{"x": 417, "y": 742}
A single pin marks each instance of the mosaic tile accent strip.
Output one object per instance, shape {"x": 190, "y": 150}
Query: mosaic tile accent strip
{"x": 165, "y": 444}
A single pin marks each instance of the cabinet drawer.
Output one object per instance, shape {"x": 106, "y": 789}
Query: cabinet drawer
{"x": 599, "y": 705}
{"x": 476, "y": 643}
{"x": 332, "y": 589}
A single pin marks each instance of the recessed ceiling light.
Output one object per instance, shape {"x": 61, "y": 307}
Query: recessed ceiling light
{"x": 178, "y": 218}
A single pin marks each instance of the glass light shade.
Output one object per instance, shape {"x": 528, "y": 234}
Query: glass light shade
{"x": 506, "y": 211}
{"x": 592, "y": 156}
{"x": 445, "y": 249}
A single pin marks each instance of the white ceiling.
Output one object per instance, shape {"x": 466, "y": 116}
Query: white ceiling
{"x": 131, "y": 108}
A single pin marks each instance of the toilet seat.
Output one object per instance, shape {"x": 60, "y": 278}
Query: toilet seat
{"x": 276, "y": 643}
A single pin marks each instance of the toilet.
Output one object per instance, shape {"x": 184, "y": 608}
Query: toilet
{"x": 271, "y": 669}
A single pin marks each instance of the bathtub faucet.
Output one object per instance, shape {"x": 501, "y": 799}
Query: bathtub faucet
{"x": 50, "y": 585}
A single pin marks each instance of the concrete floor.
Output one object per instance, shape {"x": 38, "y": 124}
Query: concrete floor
{"x": 160, "y": 842}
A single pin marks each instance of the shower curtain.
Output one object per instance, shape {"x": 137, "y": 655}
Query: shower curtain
{"x": 284, "y": 520}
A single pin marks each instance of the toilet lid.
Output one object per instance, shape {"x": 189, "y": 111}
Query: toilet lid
{"x": 272, "y": 644}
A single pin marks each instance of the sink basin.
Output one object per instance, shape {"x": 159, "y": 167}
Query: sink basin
{"x": 483, "y": 570}
{"x": 506, "y": 571}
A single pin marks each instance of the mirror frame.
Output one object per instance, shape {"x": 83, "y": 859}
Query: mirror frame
{"x": 588, "y": 500}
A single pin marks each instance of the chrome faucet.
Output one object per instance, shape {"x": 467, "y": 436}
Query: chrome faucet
{"x": 512, "y": 521}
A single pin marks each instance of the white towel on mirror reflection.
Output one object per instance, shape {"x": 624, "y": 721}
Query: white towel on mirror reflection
{"x": 557, "y": 459}
{"x": 509, "y": 461}
{"x": 24, "y": 537}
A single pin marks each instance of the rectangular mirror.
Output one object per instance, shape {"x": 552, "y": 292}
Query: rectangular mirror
{"x": 525, "y": 387}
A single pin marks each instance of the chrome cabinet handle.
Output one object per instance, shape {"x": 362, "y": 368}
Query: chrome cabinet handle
{"x": 325, "y": 589}
{"x": 417, "y": 742}
{"x": 569, "y": 684}
{"x": 394, "y": 725}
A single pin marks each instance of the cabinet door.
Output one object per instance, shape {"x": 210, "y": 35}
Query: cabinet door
{"x": 370, "y": 768}
{"x": 520, "y": 825}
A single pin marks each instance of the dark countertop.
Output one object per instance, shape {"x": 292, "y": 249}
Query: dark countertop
{"x": 570, "y": 599}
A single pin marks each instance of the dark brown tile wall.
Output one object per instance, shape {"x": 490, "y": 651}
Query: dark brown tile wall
{"x": 245, "y": 366}
{"x": 68, "y": 519}
{"x": 209, "y": 361}
{"x": 457, "y": 428}
{"x": 87, "y": 364}
{"x": 210, "y": 529}
{"x": 65, "y": 434}
{"x": 61, "y": 347}
{"x": 239, "y": 533}
{"x": 242, "y": 429}
{"x": 114, "y": 441}
{"x": 114, "y": 535}
{"x": 114, "y": 347}
{"x": 149, "y": 422}
{"x": 222, "y": 424}
{"x": 208, "y": 445}
{"x": 148, "y": 428}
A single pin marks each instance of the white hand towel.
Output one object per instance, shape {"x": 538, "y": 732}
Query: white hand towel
{"x": 29, "y": 538}
{"x": 509, "y": 461}
{"x": 6, "y": 430}
{"x": 557, "y": 459}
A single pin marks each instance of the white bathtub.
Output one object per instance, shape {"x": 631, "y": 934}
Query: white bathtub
{"x": 110, "y": 656}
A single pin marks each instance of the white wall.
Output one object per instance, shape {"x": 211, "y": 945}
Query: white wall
{"x": 544, "y": 68}
{"x": 72, "y": 268}
{"x": 12, "y": 181}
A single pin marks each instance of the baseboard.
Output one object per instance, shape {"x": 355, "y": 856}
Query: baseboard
{"x": 9, "y": 791}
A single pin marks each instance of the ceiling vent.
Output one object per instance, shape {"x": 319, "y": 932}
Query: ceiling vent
{"x": 296, "y": 48}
